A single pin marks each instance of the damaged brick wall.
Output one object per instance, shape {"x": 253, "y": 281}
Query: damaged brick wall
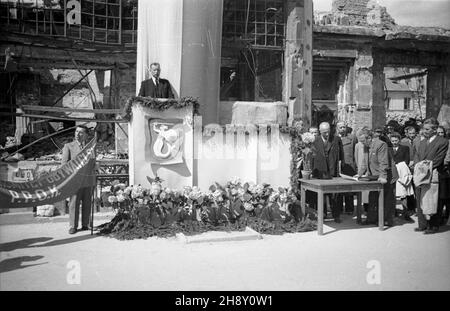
{"x": 360, "y": 13}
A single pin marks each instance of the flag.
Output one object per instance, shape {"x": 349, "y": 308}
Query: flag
{"x": 54, "y": 186}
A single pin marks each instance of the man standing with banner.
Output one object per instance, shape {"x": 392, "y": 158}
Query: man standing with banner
{"x": 85, "y": 192}
{"x": 55, "y": 185}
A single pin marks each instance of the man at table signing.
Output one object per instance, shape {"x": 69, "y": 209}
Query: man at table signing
{"x": 379, "y": 164}
{"x": 327, "y": 151}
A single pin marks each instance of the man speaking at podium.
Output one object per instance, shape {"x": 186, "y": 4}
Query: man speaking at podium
{"x": 155, "y": 86}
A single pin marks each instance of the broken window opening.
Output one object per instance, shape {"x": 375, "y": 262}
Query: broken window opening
{"x": 405, "y": 92}
{"x": 252, "y": 50}
{"x": 102, "y": 21}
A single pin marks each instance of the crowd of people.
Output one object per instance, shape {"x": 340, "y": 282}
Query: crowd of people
{"x": 413, "y": 166}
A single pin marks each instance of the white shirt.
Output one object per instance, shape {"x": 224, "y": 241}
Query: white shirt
{"x": 81, "y": 144}
{"x": 432, "y": 138}
{"x": 154, "y": 80}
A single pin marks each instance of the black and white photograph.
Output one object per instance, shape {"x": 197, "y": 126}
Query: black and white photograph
{"x": 224, "y": 150}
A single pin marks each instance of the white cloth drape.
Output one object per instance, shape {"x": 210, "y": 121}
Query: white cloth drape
{"x": 159, "y": 40}
{"x": 403, "y": 185}
{"x": 21, "y": 128}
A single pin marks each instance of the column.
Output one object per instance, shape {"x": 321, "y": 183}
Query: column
{"x": 444, "y": 112}
{"x": 200, "y": 63}
{"x": 298, "y": 60}
{"x": 434, "y": 92}
{"x": 363, "y": 87}
{"x": 378, "y": 94}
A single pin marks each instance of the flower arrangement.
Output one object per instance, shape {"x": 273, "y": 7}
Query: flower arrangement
{"x": 230, "y": 207}
{"x": 158, "y": 104}
{"x": 306, "y": 153}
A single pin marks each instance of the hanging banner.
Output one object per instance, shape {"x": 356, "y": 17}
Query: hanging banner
{"x": 166, "y": 141}
{"x": 54, "y": 186}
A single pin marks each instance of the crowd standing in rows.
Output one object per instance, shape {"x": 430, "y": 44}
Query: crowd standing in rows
{"x": 413, "y": 165}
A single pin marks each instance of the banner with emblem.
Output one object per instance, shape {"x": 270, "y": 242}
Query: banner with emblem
{"x": 54, "y": 186}
{"x": 166, "y": 141}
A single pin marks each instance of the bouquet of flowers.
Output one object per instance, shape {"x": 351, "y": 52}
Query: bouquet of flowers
{"x": 143, "y": 212}
{"x": 307, "y": 155}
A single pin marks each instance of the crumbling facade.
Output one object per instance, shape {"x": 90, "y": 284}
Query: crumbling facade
{"x": 316, "y": 68}
{"x": 353, "y": 46}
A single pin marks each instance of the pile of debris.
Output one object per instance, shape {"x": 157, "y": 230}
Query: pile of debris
{"x": 50, "y": 149}
{"x": 367, "y": 13}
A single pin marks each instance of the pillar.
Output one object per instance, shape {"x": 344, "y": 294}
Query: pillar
{"x": 434, "y": 92}
{"x": 369, "y": 90}
{"x": 378, "y": 94}
{"x": 298, "y": 60}
{"x": 444, "y": 112}
{"x": 202, "y": 41}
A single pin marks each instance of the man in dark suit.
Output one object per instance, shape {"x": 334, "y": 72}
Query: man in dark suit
{"x": 400, "y": 153}
{"x": 379, "y": 164}
{"x": 348, "y": 166}
{"x": 84, "y": 194}
{"x": 155, "y": 86}
{"x": 431, "y": 148}
{"x": 410, "y": 135}
{"x": 327, "y": 152}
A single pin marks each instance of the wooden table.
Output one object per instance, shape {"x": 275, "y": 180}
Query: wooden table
{"x": 341, "y": 185}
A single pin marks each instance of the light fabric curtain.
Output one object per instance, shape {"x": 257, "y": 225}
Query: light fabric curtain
{"x": 21, "y": 127}
{"x": 160, "y": 40}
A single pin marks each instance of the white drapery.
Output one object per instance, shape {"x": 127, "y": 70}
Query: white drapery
{"x": 160, "y": 40}
{"x": 185, "y": 37}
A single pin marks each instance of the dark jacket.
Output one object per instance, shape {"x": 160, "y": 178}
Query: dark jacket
{"x": 149, "y": 89}
{"x": 407, "y": 142}
{"x": 401, "y": 155}
{"x": 348, "y": 162}
{"x": 325, "y": 164}
{"x": 435, "y": 151}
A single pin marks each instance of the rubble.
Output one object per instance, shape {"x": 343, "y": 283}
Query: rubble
{"x": 45, "y": 210}
{"x": 368, "y": 13}
{"x": 51, "y": 149}
{"x": 367, "y": 17}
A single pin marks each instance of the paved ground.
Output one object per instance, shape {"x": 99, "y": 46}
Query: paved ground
{"x": 42, "y": 256}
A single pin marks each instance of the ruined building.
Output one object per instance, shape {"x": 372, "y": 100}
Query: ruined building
{"x": 275, "y": 57}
